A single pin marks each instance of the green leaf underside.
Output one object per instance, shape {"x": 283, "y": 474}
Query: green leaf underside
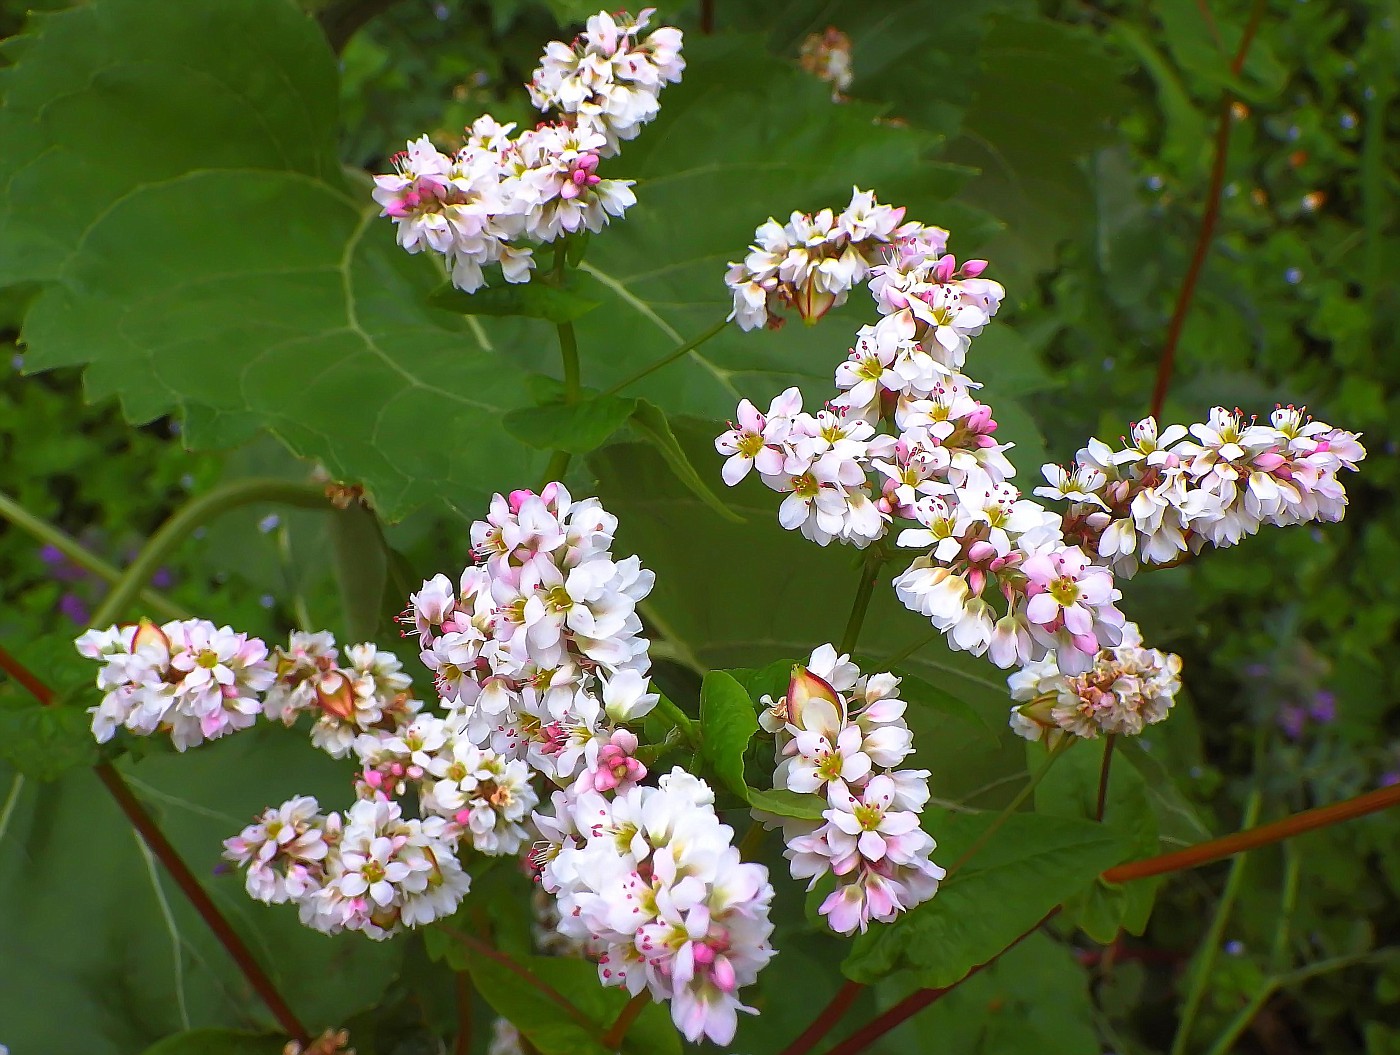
{"x": 1030, "y": 865}
{"x": 577, "y": 428}
{"x": 535, "y": 299}
{"x": 783, "y": 803}
{"x": 727, "y": 724}
{"x": 218, "y": 1042}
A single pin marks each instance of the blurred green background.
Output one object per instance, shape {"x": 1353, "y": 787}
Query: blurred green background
{"x": 1071, "y": 144}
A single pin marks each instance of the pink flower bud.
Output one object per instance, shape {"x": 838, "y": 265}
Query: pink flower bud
{"x": 336, "y": 695}
{"x": 804, "y": 687}
{"x": 518, "y": 498}
{"x": 973, "y": 268}
{"x": 981, "y": 550}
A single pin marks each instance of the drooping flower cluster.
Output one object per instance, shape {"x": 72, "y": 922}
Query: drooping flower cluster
{"x": 842, "y": 735}
{"x": 189, "y": 678}
{"x": 609, "y": 78}
{"x": 827, "y": 56}
{"x": 1165, "y": 496}
{"x": 1129, "y": 688}
{"x": 371, "y": 870}
{"x": 499, "y": 194}
{"x": 648, "y": 879}
{"x": 811, "y": 263}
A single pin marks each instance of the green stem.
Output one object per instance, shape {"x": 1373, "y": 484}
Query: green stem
{"x": 1109, "y": 741}
{"x": 568, "y": 353}
{"x": 1211, "y": 943}
{"x": 191, "y": 515}
{"x": 908, "y": 650}
{"x": 1015, "y": 804}
{"x": 869, "y": 574}
{"x": 668, "y": 358}
{"x": 80, "y": 555}
{"x": 678, "y": 720}
{"x": 1288, "y": 902}
{"x": 1246, "y": 1014}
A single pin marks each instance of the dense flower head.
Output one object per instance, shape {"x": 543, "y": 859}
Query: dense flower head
{"x": 501, "y": 194}
{"x": 609, "y": 78}
{"x": 648, "y": 881}
{"x": 1127, "y": 688}
{"x": 842, "y": 735}
{"x": 811, "y": 263}
{"x": 189, "y": 678}
{"x": 1164, "y": 496}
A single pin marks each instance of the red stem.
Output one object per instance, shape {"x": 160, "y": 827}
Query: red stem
{"x": 463, "y": 991}
{"x": 823, "y": 1024}
{"x": 1208, "y": 220}
{"x": 612, "y": 1039}
{"x": 915, "y": 1002}
{"x": 524, "y": 974}
{"x": 1103, "y": 775}
{"x": 1253, "y": 838}
{"x": 155, "y": 839}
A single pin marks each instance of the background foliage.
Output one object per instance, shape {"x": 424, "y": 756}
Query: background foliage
{"x": 185, "y": 226}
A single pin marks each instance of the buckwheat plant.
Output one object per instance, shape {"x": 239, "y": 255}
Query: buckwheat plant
{"x": 515, "y": 729}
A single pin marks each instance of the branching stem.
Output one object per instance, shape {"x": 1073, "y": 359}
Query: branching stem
{"x": 669, "y": 358}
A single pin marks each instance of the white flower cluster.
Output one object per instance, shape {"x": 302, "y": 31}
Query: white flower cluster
{"x": 609, "y": 78}
{"x": 905, "y": 438}
{"x": 499, "y": 195}
{"x": 1129, "y": 688}
{"x": 538, "y": 650}
{"x": 189, "y": 678}
{"x": 648, "y": 879}
{"x": 1165, "y": 496}
{"x": 371, "y": 870}
{"x": 842, "y": 734}
{"x": 812, "y": 262}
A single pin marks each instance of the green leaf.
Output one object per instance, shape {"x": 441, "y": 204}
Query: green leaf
{"x": 1071, "y": 789}
{"x": 727, "y": 724}
{"x": 783, "y": 803}
{"x": 549, "y": 1028}
{"x": 536, "y": 299}
{"x": 648, "y": 420}
{"x": 771, "y": 680}
{"x": 45, "y": 742}
{"x": 1030, "y": 865}
{"x": 127, "y": 959}
{"x": 218, "y": 1042}
{"x": 574, "y": 427}
{"x": 288, "y": 306}
{"x": 925, "y": 696}
{"x": 1034, "y": 999}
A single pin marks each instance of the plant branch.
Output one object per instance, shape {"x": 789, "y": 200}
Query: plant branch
{"x": 191, "y": 515}
{"x": 668, "y": 358}
{"x": 1253, "y": 838}
{"x": 1012, "y": 806}
{"x": 1209, "y": 216}
{"x": 527, "y": 976}
{"x": 168, "y": 856}
{"x": 612, "y": 1039}
{"x": 462, "y": 991}
{"x": 1109, "y": 741}
{"x": 1210, "y": 944}
{"x": 869, "y": 573}
{"x": 826, "y": 1021}
{"x": 80, "y": 555}
{"x": 568, "y": 353}
{"x": 915, "y": 1002}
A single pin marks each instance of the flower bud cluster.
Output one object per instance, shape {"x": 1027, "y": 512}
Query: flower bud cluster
{"x": 1165, "y": 496}
{"x": 842, "y": 735}
{"x": 811, "y": 263}
{"x": 827, "y": 56}
{"x": 370, "y": 870}
{"x": 188, "y": 678}
{"x": 608, "y": 79}
{"x": 648, "y": 879}
{"x": 499, "y": 194}
{"x": 1129, "y": 688}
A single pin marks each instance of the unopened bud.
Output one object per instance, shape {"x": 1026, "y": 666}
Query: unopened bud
{"x": 803, "y": 688}
{"x": 147, "y": 633}
{"x": 335, "y": 695}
